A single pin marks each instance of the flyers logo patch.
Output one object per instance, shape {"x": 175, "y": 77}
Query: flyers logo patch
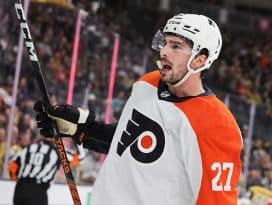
{"x": 144, "y": 137}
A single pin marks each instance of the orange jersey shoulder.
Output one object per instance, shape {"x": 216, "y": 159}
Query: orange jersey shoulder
{"x": 207, "y": 111}
{"x": 220, "y": 144}
{"x": 152, "y": 78}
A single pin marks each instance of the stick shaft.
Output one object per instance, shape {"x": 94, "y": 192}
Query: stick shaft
{"x": 46, "y": 100}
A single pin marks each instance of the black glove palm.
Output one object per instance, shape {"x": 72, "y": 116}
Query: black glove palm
{"x": 71, "y": 121}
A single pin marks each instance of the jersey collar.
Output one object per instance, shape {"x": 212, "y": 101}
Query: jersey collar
{"x": 164, "y": 94}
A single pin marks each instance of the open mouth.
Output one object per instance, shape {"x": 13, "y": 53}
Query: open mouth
{"x": 166, "y": 67}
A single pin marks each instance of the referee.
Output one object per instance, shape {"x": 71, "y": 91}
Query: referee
{"x": 34, "y": 167}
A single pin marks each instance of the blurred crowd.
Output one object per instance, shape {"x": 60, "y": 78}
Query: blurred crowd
{"x": 260, "y": 170}
{"x": 244, "y": 70}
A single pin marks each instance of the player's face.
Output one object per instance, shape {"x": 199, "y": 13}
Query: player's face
{"x": 174, "y": 56}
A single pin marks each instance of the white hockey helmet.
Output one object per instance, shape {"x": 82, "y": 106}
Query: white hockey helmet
{"x": 201, "y": 30}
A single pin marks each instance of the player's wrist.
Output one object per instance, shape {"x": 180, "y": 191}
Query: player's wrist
{"x": 86, "y": 118}
{"x": 81, "y": 133}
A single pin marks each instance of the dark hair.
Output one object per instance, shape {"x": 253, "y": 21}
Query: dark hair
{"x": 204, "y": 51}
{"x": 188, "y": 41}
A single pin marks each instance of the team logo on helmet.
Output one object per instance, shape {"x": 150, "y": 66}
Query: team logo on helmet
{"x": 144, "y": 137}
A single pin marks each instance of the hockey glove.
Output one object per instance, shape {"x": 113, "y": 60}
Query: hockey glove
{"x": 71, "y": 121}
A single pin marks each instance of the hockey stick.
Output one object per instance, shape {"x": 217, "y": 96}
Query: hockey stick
{"x": 45, "y": 97}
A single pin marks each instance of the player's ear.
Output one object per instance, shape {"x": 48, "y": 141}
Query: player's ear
{"x": 198, "y": 61}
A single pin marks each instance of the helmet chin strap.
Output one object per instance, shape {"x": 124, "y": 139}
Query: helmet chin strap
{"x": 183, "y": 78}
{"x": 189, "y": 72}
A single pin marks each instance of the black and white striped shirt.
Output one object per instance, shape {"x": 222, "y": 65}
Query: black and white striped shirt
{"x": 38, "y": 162}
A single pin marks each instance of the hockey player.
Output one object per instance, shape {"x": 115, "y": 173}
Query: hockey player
{"x": 175, "y": 143}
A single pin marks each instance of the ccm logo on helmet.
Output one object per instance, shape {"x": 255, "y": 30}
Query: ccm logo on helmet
{"x": 174, "y": 22}
{"x": 144, "y": 137}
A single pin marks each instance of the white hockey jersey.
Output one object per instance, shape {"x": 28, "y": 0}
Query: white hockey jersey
{"x": 171, "y": 151}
